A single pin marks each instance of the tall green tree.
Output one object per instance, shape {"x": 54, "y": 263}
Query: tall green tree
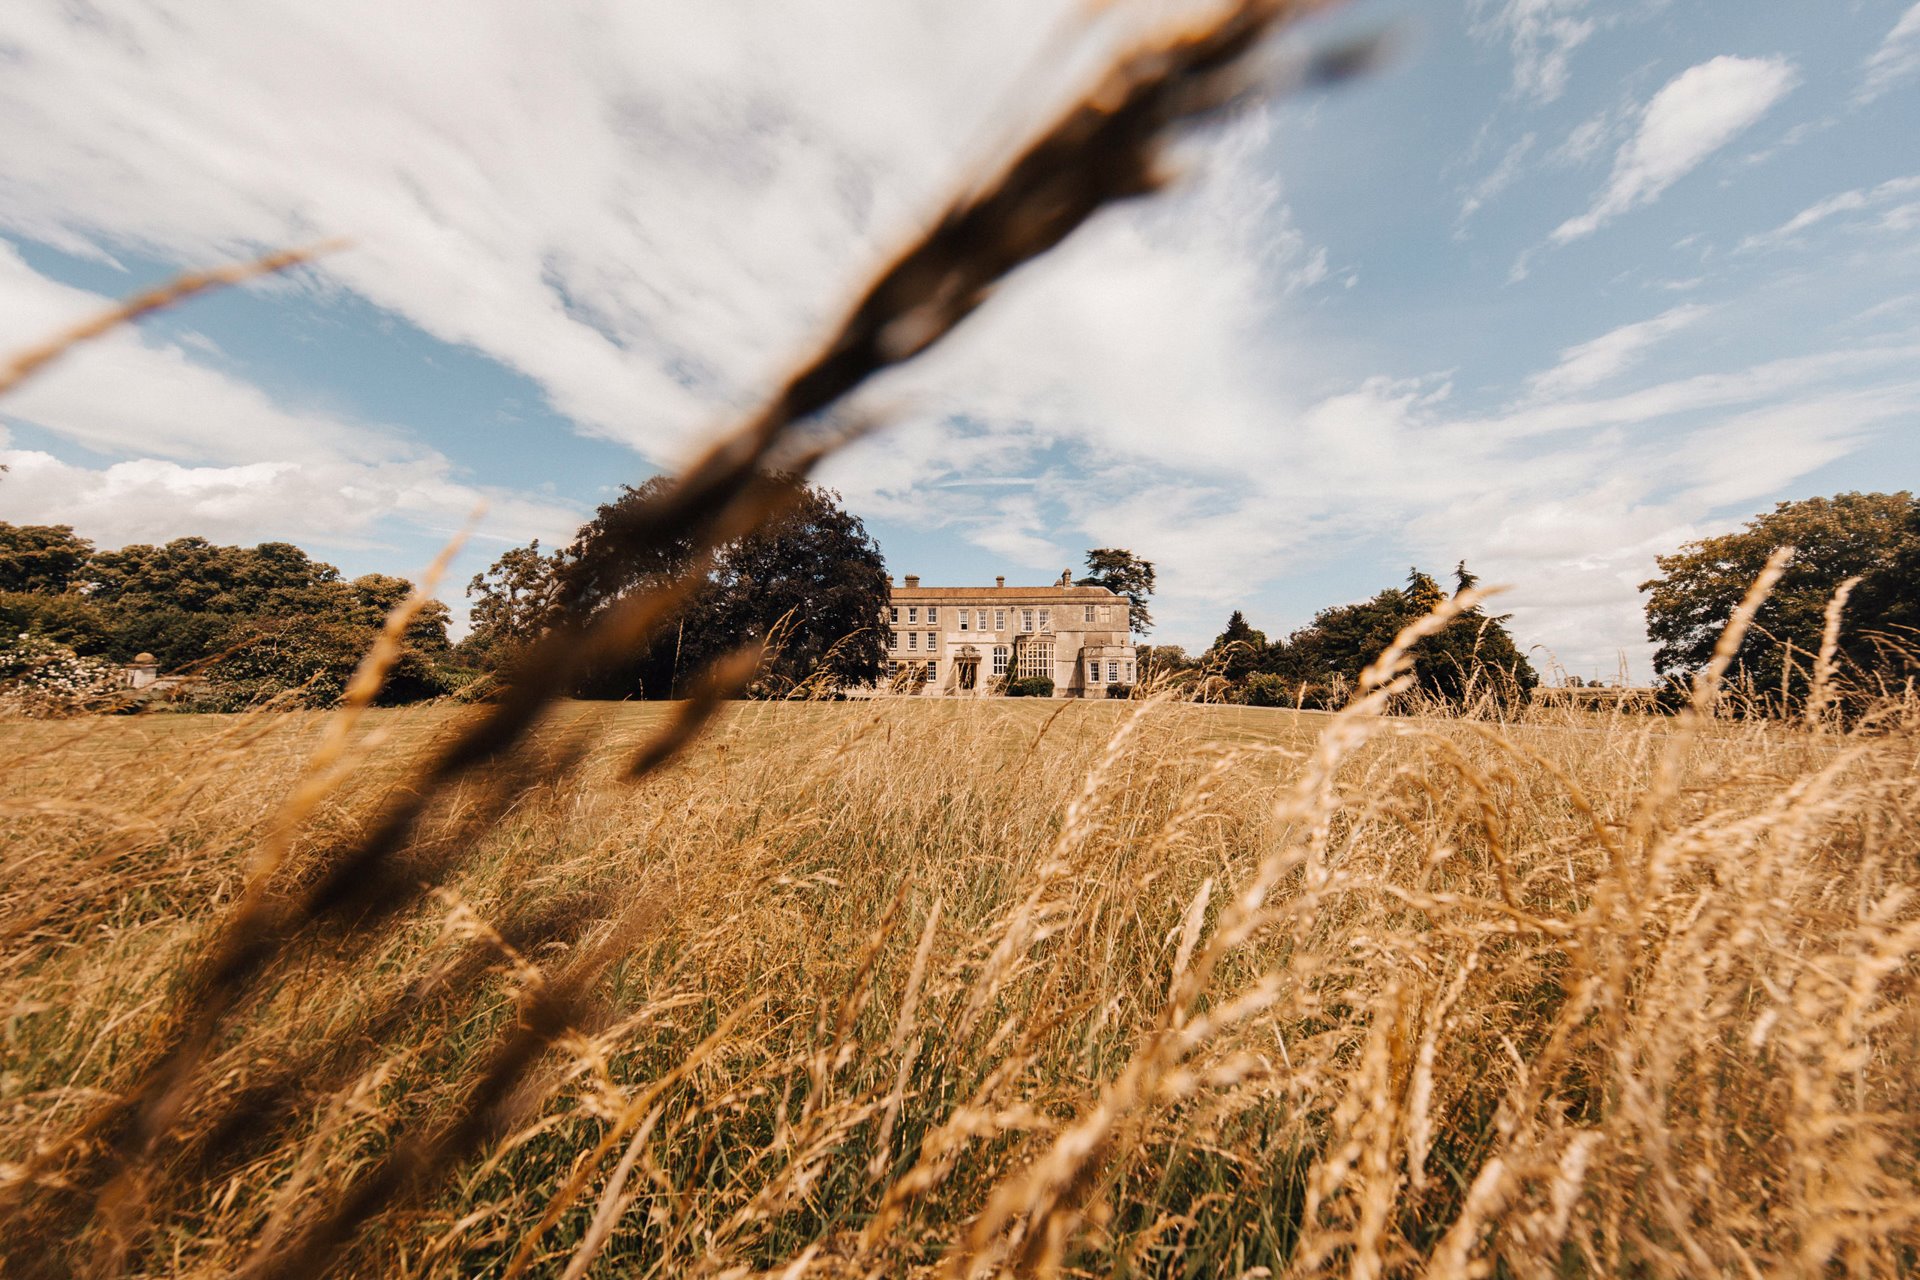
{"x": 1124, "y": 573}
{"x": 1238, "y": 651}
{"x": 1872, "y": 536}
{"x": 813, "y": 582}
{"x": 514, "y": 602}
{"x": 819, "y": 577}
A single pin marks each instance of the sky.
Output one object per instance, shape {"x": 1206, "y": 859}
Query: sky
{"x": 1562, "y": 286}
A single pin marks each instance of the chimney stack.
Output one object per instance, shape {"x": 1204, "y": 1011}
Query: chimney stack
{"x": 1000, "y": 580}
{"x": 913, "y": 580}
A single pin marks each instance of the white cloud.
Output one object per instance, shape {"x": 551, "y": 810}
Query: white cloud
{"x": 1591, "y": 363}
{"x": 1897, "y": 56}
{"x": 1695, "y": 114}
{"x": 334, "y": 503}
{"x": 1499, "y": 179}
{"x": 645, "y": 207}
{"x": 1583, "y": 141}
{"x": 1542, "y": 35}
{"x": 1845, "y": 202}
{"x": 206, "y": 453}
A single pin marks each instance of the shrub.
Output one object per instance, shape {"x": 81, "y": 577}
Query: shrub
{"x": 1030, "y": 687}
{"x": 1263, "y": 689}
{"x": 308, "y": 664}
{"x": 1121, "y": 691}
{"x": 39, "y": 677}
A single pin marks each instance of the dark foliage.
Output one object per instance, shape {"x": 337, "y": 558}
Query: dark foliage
{"x": 811, "y": 585}
{"x": 1123, "y": 573}
{"x": 1473, "y": 655}
{"x": 40, "y": 558}
{"x": 1872, "y": 536}
{"x": 1238, "y": 651}
{"x": 1319, "y": 665}
{"x": 255, "y": 622}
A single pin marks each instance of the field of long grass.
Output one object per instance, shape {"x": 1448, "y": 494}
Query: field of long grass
{"x": 891, "y": 988}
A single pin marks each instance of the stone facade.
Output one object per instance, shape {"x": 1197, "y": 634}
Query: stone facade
{"x": 962, "y": 641}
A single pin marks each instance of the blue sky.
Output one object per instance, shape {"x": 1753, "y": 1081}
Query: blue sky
{"x": 1566, "y": 285}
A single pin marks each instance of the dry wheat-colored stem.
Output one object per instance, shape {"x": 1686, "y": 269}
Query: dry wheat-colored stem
{"x": 1822, "y": 691}
{"x": 24, "y": 364}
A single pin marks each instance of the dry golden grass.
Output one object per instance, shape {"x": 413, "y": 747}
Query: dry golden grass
{"x": 1152, "y": 988}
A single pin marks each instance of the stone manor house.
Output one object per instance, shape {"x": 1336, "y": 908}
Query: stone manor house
{"x": 958, "y": 641}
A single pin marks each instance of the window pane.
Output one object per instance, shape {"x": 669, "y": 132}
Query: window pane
{"x": 999, "y": 659}
{"x": 893, "y": 639}
{"x": 913, "y": 639}
{"x": 913, "y": 613}
{"x": 999, "y": 619}
{"x": 1036, "y": 659}
{"x": 1089, "y": 617}
{"x": 893, "y": 614}
{"x": 963, "y": 619}
{"x": 932, "y": 639}
{"x": 1113, "y": 673}
{"x": 933, "y": 613}
{"x": 1046, "y": 623}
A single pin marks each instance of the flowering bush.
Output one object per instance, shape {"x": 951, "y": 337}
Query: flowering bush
{"x": 41, "y": 678}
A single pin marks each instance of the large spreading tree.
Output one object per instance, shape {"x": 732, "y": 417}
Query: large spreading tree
{"x": 811, "y": 584}
{"x": 1874, "y": 537}
{"x": 1123, "y": 573}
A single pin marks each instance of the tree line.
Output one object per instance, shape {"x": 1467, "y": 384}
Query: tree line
{"x": 253, "y": 623}
{"x": 1318, "y": 665}
{"x": 269, "y": 621}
